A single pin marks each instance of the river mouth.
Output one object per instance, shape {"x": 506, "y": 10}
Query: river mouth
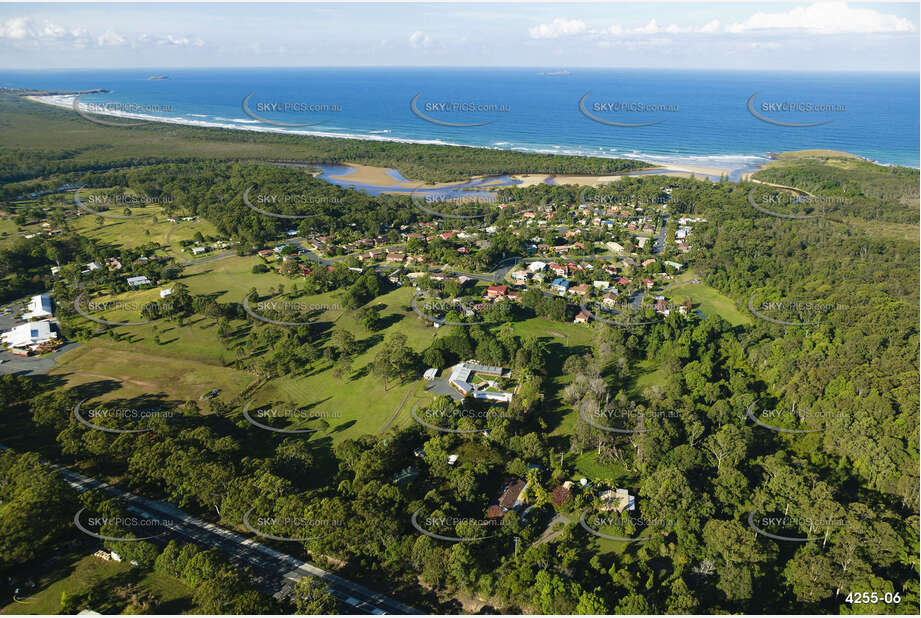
{"x": 378, "y": 180}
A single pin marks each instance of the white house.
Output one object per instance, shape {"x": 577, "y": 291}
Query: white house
{"x": 166, "y": 292}
{"x": 674, "y": 265}
{"x": 198, "y": 250}
{"x": 537, "y": 266}
{"x": 615, "y": 247}
{"x": 93, "y": 266}
{"x": 136, "y": 281}
{"x": 39, "y": 307}
{"x": 29, "y": 335}
{"x": 601, "y": 285}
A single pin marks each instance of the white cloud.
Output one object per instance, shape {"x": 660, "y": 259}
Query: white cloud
{"x": 25, "y": 31}
{"x": 419, "y": 40}
{"x": 712, "y": 27}
{"x": 557, "y": 28}
{"x": 110, "y": 39}
{"x": 825, "y": 18}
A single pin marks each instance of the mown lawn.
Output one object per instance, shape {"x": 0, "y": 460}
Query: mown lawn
{"x": 78, "y": 573}
{"x": 124, "y": 374}
{"x": 709, "y": 301}
{"x": 129, "y": 233}
{"x": 359, "y": 402}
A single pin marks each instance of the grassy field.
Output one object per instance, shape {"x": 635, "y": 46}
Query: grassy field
{"x": 77, "y": 574}
{"x": 151, "y": 226}
{"x": 707, "y": 299}
{"x": 108, "y": 373}
{"x": 360, "y": 403}
{"x": 128, "y": 233}
{"x": 564, "y": 340}
{"x": 650, "y": 375}
{"x": 230, "y": 278}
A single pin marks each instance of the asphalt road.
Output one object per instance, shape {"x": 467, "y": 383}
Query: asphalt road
{"x": 281, "y": 571}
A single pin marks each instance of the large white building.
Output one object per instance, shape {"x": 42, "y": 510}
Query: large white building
{"x": 461, "y": 380}
{"x": 39, "y": 307}
{"x": 29, "y": 335}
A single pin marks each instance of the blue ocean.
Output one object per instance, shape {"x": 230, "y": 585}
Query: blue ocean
{"x": 720, "y": 119}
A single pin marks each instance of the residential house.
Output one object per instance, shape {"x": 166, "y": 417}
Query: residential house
{"x": 560, "y": 285}
{"x": 582, "y": 317}
{"x": 138, "y": 281}
{"x": 510, "y": 495}
{"x": 675, "y": 265}
{"x": 496, "y": 291}
{"x": 618, "y": 500}
{"x": 537, "y": 266}
{"x": 581, "y": 290}
{"x": 560, "y": 495}
{"x": 519, "y": 276}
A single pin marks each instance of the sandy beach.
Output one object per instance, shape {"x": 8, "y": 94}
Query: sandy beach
{"x": 378, "y": 176}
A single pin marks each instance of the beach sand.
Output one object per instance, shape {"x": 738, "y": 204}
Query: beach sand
{"x": 378, "y": 176}
{"x": 683, "y": 171}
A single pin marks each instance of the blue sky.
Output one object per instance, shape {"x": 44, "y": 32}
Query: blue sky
{"x": 690, "y": 35}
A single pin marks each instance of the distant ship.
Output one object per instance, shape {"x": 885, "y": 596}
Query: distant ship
{"x": 554, "y": 73}
{"x": 158, "y": 77}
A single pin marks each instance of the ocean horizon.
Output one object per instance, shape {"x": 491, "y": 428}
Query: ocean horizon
{"x": 723, "y": 120}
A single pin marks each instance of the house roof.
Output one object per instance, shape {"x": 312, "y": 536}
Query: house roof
{"x": 559, "y": 495}
{"x": 39, "y": 306}
{"x": 510, "y": 492}
{"x": 29, "y": 333}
